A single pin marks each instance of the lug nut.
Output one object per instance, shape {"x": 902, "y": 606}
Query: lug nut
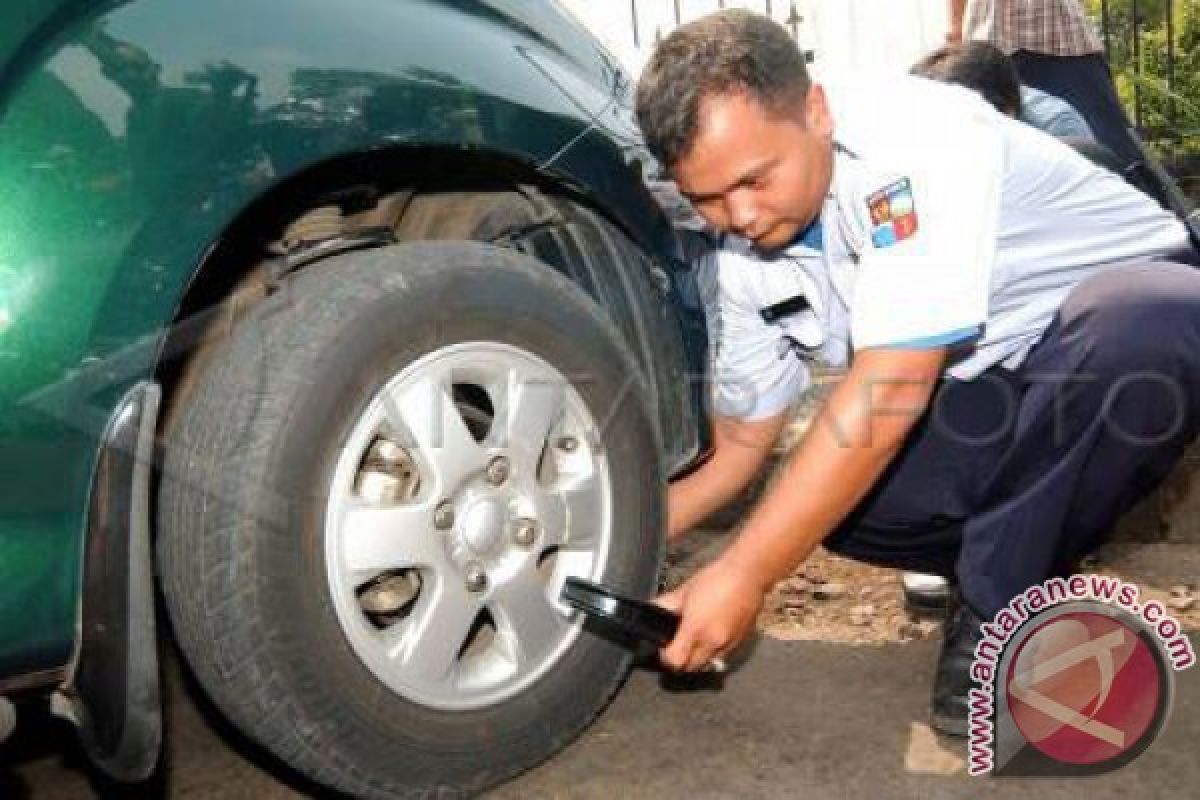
{"x": 568, "y": 444}
{"x": 498, "y": 470}
{"x": 525, "y": 532}
{"x": 443, "y": 516}
{"x": 476, "y": 576}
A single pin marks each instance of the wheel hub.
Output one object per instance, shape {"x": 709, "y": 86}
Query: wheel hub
{"x": 483, "y": 525}
{"x": 486, "y": 521}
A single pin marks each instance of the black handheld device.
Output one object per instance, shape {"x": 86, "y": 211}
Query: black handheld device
{"x": 637, "y": 619}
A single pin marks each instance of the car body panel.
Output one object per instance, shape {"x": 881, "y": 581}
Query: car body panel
{"x": 132, "y": 135}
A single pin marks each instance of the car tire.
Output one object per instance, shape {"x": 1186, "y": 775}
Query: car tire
{"x": 260, "y": 574}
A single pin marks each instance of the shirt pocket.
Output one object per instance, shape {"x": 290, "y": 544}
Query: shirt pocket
{"x": 802, "y": 329}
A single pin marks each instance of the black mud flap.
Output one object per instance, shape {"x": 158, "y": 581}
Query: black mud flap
{"x": 113, "y": 693}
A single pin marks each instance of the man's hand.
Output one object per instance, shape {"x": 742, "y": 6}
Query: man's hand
{"x": 719, "y": 605}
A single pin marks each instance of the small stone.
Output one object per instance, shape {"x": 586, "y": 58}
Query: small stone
{"x": 829, "y": 591}
{"x": 860, "y": 620}
{"x": 863, "y": 610}
{"x": 918, "y": 629}
{"x": 813, "y": 574}
{"x": 927, "y": 627}
{"x": 795, "y": 585}
{"x": 792, "y": 603}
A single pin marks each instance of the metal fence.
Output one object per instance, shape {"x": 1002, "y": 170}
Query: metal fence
{"x": 1129, "y": 37}
{"x": 1124, "y": 25}
{"x": 835, "y": 35}
{"x": 791, "y": 18}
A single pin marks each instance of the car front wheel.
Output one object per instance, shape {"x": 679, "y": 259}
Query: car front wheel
{"x": 373, "y": 497}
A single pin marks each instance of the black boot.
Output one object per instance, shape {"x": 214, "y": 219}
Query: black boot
{"x": 953, "y": 681}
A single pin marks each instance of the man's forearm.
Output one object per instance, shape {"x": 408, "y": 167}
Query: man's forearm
{"x": 740, "y": 448}
{"x": 706, "y": 490}
{"x": 853, "y": 439}
{"x": 957, "y": 9}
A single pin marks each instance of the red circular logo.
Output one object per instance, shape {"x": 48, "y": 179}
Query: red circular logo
{"x": 1084, "y": 688}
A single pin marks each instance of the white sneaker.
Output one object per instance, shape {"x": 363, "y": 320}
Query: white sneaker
{"x": 923, "y": 592}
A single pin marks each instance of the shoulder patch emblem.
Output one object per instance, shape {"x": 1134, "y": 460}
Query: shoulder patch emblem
{"x": 893, "y": 215}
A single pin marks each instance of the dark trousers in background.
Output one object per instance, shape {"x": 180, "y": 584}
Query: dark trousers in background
{"x": 1012, "y": 477}
{"x": 1086, "y": 83}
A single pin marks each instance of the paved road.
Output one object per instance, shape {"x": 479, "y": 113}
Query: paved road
{"x": 798, "y": 719}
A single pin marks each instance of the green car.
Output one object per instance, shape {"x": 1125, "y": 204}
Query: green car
{"x": 352, "y": 330}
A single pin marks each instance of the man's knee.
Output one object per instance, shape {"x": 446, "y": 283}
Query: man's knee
{"x": 932, "y": 550}
{"x": 1141, "y": 318}
{"x": 1132, "y": 339}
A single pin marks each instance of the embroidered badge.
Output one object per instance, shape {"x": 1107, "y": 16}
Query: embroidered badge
{"x": 893, "y": 215}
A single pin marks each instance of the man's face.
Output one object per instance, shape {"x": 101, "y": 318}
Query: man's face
{"x": 759, "y": 175}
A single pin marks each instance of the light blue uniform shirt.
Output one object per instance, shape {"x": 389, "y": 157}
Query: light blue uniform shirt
{"x": 947, "y": 223}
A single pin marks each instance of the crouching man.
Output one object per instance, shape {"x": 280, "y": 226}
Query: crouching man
{"x": 1023, "y": 356}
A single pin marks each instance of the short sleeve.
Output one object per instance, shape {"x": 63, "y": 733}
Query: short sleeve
{"x": 752, "y": 374}
{"x": 925, "y": 268}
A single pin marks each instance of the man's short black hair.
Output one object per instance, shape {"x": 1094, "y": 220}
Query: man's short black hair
{"x": 721, "y": 53}
{"x": 979, "y": 66}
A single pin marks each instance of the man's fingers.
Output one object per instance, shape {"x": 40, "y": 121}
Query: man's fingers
{"x": 703, "y": 654}
{"x": 687, "y": 653}
{"x": 672, "y": 601}
{"x": 677, "y": 654}
{"x": 699, "y": 658}
{"x": 716, "y": 665}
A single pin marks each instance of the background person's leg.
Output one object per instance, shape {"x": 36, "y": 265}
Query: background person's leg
{"x": 1086, "y": 83}
{"x": 1110, "y": 400}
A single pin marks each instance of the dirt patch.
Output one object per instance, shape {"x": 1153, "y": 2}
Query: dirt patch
{"x": 835, "y": 599}
{"x": 829, "y": 599}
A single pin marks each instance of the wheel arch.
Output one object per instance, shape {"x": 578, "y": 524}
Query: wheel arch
{"x": 568, "y": 228}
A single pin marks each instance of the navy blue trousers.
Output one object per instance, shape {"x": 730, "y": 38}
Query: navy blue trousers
{"x": 1014, "y": 476}
{"x": 1086, "y": 83}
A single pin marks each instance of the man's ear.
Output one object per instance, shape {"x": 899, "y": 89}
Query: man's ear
{"x": 817, "y": 117}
